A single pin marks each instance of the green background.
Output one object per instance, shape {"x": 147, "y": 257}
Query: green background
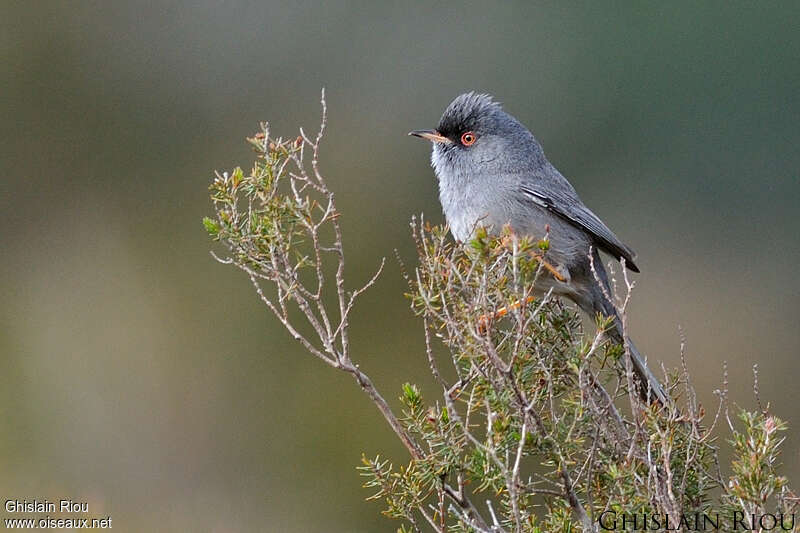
{"x": 141, "y": 376}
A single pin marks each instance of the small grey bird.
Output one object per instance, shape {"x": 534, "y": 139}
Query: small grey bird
{"x": 493, "y": 172}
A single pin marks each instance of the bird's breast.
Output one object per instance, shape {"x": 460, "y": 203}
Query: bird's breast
{"x": 466, "y": 205}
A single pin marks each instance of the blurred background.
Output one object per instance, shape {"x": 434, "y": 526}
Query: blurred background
{"x": 138, "y": 374}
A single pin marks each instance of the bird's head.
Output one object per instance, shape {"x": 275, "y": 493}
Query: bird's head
{"x": 475, "y": 134}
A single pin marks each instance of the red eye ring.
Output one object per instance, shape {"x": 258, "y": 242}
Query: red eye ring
{"x": 468, "y": 139}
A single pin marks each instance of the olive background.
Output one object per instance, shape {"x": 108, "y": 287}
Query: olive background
{"x": 141, "y": 376}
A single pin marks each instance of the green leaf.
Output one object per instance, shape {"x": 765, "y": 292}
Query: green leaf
{"x": 211, "y": 226}
{"x": 411, "y": 396}
{"x": 237, "y": 176}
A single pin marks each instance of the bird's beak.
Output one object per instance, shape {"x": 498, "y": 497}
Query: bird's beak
{"x": 431, "y": 135}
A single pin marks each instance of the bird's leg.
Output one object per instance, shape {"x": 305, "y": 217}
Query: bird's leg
{"x": 483, "y": 320}
{"x": 549, "y": 267}
{"x": 538, "y": 256}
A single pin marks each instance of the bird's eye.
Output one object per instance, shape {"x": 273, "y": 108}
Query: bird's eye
{"x": 468, "y": 138}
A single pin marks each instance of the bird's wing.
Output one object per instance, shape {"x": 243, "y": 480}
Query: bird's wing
{"x": 569, "y": 207}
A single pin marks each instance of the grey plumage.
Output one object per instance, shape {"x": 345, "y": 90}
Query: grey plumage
{"x": 500, "y": 176}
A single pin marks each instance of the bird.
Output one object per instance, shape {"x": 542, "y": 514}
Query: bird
{"x": 492, "y": 172}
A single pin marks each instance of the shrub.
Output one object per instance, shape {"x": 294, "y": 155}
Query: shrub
{"x": 537, "y": 425}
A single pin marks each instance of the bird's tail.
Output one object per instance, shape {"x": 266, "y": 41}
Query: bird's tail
{"x": 649, "y": 387}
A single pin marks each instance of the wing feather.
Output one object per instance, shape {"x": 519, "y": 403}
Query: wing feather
{"x": 573, "y": 210}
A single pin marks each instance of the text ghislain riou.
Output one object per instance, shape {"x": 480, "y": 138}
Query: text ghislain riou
{"x": 46, "y": 506}
{"x": 736, "y": 521}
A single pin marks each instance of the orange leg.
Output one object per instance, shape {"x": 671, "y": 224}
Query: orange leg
{"x": 550, "y": 268}
{"x": 483, "y": 320}
{"x": 541, "y": 260}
